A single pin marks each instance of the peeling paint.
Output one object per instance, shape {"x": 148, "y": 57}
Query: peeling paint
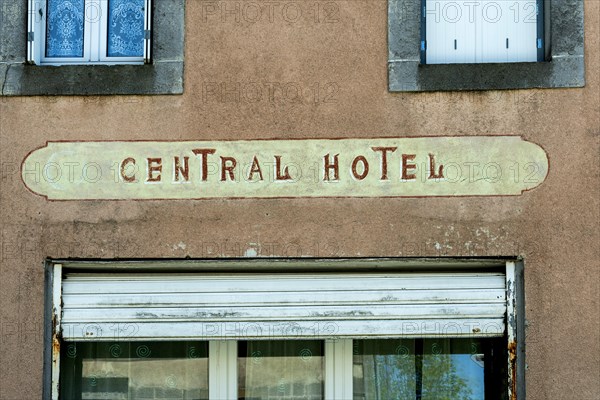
{"x": 179, "y": 246}
{"x": 56, "y": 338}
{"x": 251, "y": 252}
{"x": 512, "y": 357}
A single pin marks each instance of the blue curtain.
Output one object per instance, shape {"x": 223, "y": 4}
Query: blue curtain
{"x": 126, "y": 28}
{"x": 65, "y": 28}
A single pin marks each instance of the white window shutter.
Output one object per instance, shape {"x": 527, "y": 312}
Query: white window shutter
{"x": 268, "y": 305}
{"x": 35, "y": 34}
{"x": 148, "y": 32}
{"x": 480, "y": 32}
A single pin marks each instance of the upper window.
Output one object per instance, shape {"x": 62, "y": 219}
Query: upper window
{"x": 436, "y": 45}
{"x": 89, "y": 31}
{"x": 103, "y": 47}
{"x": 482, "y": 31}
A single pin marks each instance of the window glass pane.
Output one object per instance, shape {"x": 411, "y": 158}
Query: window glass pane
{"x": 126, "y": 28}
{"x": 285, "y": 369}
{"x": 65, "y": 28}
{"x": 134, "y": 370}
{"x": 429, "y": 369}
{"x": 452, "y": 369}
{"x": 384, "y": 369}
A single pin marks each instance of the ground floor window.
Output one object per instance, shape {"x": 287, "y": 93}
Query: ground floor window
{"x": 393, "y": 334}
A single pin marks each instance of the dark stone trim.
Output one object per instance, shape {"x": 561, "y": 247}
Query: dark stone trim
{"x": 163, "y": 76}
{"x": 564, "y": 42}
{"x": 32, "y": 80}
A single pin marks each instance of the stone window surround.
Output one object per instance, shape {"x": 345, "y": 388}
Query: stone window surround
{"x": 163, "y": 76}
{"x": 563, "y": 30}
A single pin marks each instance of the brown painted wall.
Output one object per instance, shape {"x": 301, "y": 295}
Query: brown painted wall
{"x": 554, "y": 227}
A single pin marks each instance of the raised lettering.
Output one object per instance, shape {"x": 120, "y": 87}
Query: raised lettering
{"x": 124, "y": 164}
{"x": 154, "y": 165}
{"x": 255, "y": 169}
{"x": 331, "y": 165}
{"x": 279, "y": 175}
{"x": 432, "y": 172}
{"x": 228, "y": 165}
{"x": 384, "y": 164}
{"x": 406, "y": 165}
{"x": 183, "y": 171}
{"x": 365, "y": 168}
{"x": 204, "y": 156}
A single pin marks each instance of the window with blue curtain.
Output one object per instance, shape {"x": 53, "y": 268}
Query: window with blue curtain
{"x": 94, "y": 31}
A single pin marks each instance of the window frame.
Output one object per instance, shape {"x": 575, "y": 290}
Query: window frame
{"x": 338, "y": 351}
{"x": 37, "y": 31}
{"x": 563, "y": 47}
{"x": 164, "y": 75}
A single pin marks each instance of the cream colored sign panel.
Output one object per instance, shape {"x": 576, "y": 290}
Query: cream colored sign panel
{"x": 386, "y": 167}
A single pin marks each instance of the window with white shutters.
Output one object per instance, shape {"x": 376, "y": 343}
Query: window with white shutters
{"x": 447, "y": 45}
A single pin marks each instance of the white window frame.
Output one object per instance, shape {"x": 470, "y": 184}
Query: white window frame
{"x": 95, "y": 37}
{"x": 223, "y": 356}
{"x": 338, "y": 353}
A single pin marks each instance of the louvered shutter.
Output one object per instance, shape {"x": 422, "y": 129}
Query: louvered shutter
{"x": 261, "y": 305}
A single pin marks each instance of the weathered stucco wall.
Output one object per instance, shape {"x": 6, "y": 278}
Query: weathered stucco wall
{"x": 335, "y": 60}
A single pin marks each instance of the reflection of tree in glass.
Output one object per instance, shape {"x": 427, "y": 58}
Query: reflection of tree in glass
{"x": 441, "y": 381}
{"x": 380, "y": 373}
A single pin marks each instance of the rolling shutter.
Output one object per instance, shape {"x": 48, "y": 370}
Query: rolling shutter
{"x": 266, "y": 305}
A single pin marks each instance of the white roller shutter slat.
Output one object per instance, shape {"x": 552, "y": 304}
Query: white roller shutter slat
{"x": 82, "y": 300}
{"x": 285, "y": 330}
{"x": 161, "y": 283}
{"x": 266, "y": 305}
{"x": 281, "y": 313}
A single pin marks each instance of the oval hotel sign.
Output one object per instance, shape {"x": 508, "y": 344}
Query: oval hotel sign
{"x": 384, "y": 167}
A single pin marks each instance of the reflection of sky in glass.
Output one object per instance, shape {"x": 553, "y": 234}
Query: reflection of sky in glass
{"x": 472, "y": 372}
